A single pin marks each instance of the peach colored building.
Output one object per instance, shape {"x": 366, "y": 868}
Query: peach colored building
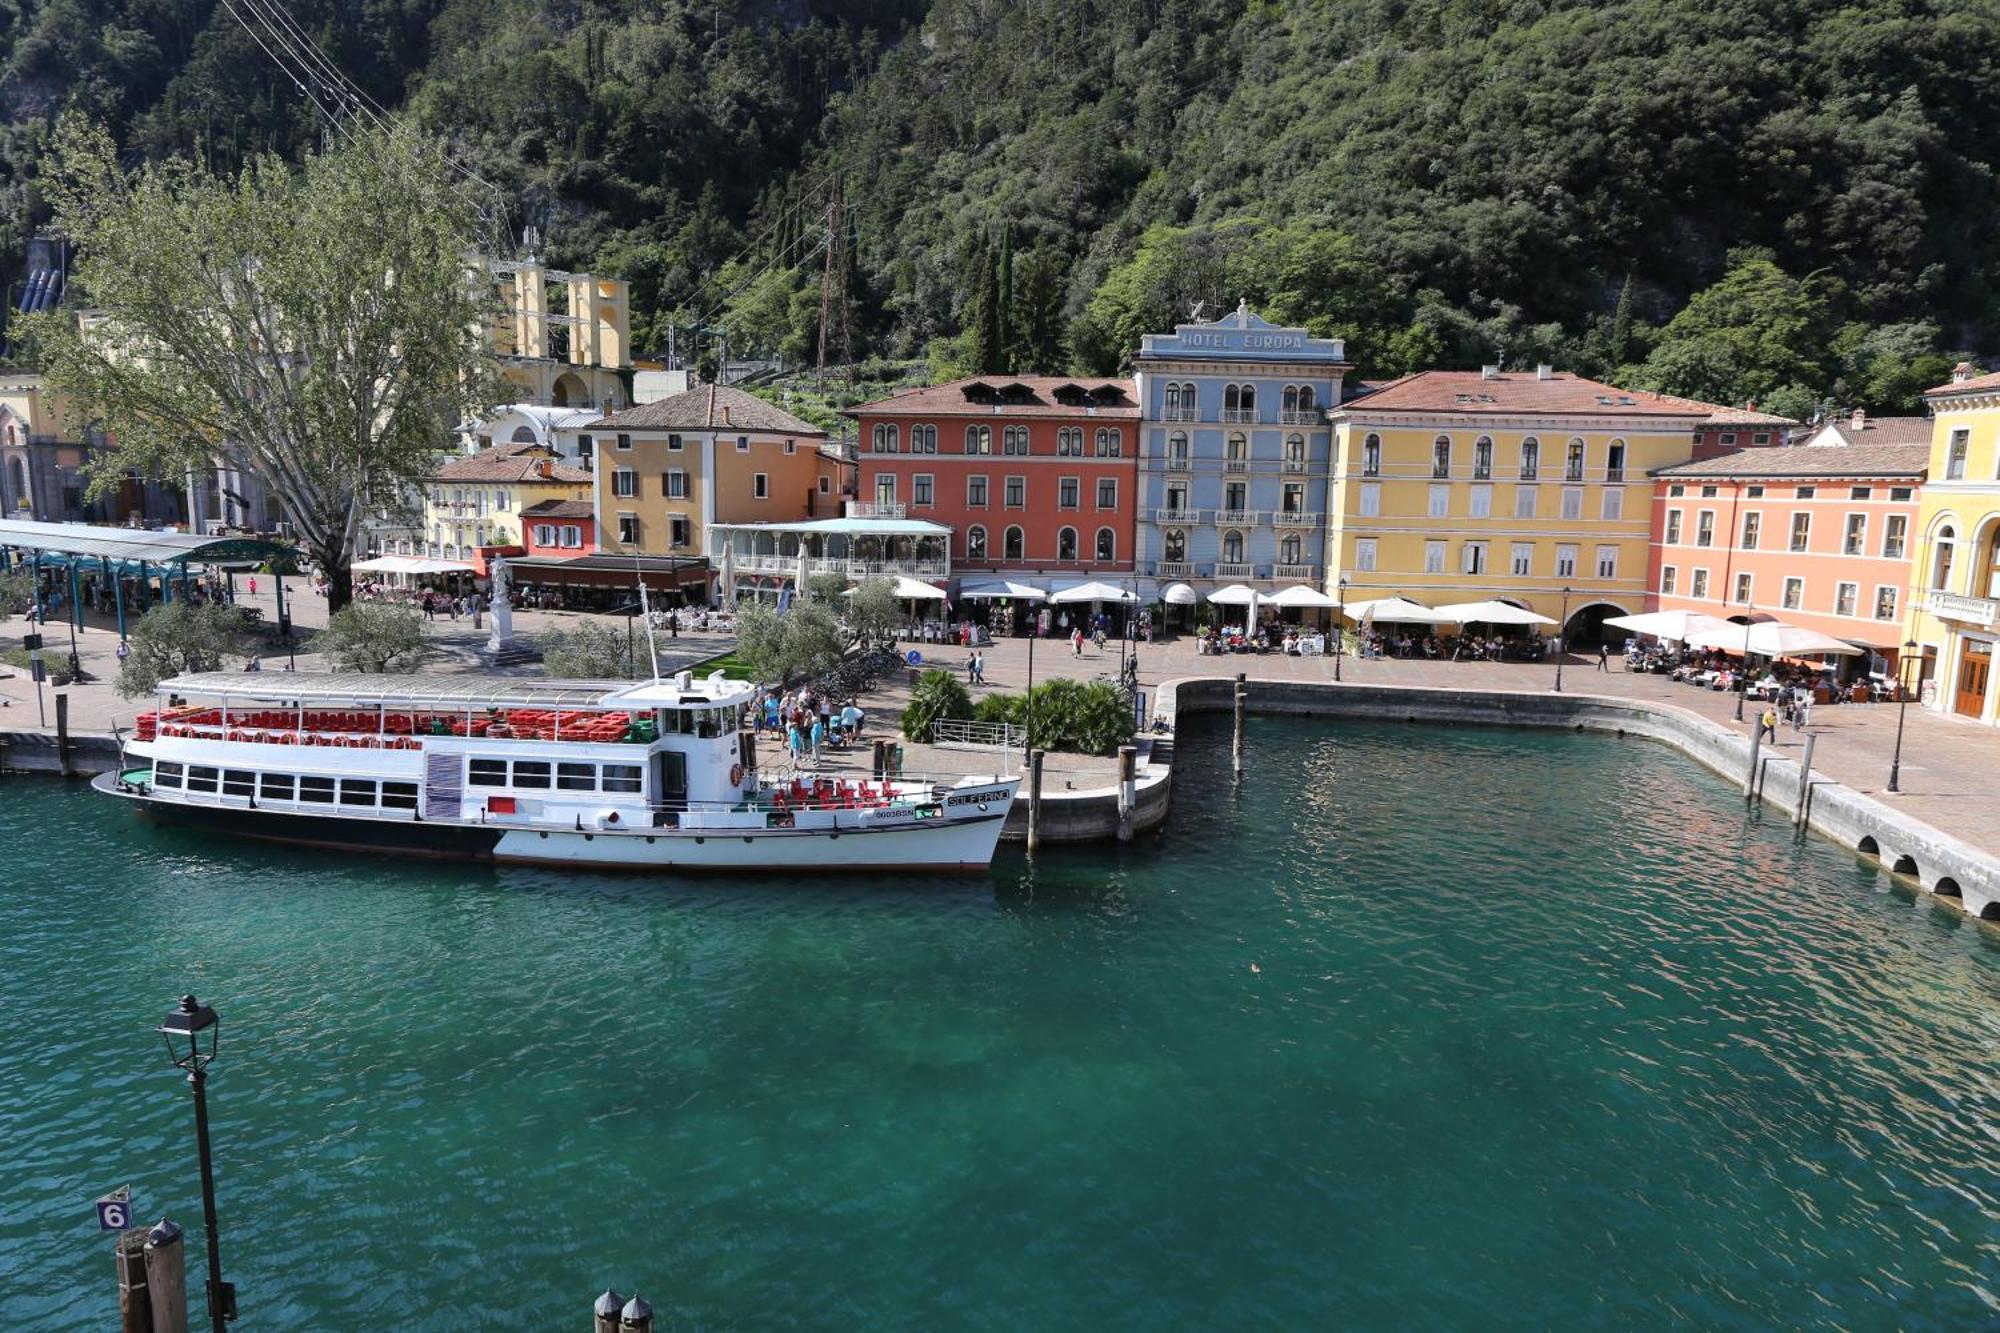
{"x": 1822, "y": 537}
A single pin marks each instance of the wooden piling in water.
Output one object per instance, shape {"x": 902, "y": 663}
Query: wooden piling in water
{"x": 1756, "y": 749}
{"x": 62, "y": 736}
{"x": 135, "y": 1310}
{"x": 1236, "y": 741}
{"x": 1805, "y": 783}
{"x": 1128, "y": 767}
{"x": 166, "y": 1278}
{"x": 1034, "y": 799}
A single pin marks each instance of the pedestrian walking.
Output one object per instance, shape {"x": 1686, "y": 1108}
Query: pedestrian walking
{"x": 1604, "y": 657}
{"x": 1076, "y": 642}
{"x": 253, "y": 585}
{"x": 1802, "y": 711}
{"x": 1767, "y": 725}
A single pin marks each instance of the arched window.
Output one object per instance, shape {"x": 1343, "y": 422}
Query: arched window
{"x": 1177, "y": 449}
{"x": 1531, "y": 458}
{"x": 885, "y": 439}
{"x": 1944, "y": 546}
{"x": 975, "y": 542}
{"x": 1239, "y": 448}
{"x": 1107, "y": 545}
{"x": 930, "y": 439}
{"x": 1441, "y": 456}
{"x": 979, "y": 439}
{"x": 1371, "y": 456}
{"x": 1246, "y": 398}
{"x": 1482, "y": 458}
{"x": 1308, "y": 398}
{"x": 1290, "y": 398}
{"x": 1232, "y": 547}
{"x": 1014, "y": 440}
{"x": 1295, "y": 450}
{"x": 1173, "y": 400}
{"x": 1176, "y": 546}
{"x": 1066, "y": 544}
{"x": 1069, "y": 442}
{"x": 1230, "y": 396}
{"x": 1573, "y": 462}
{"x": 1288, "y": 549}
{"x": 523, "y": 435}
{"x": 1013, "y": 544}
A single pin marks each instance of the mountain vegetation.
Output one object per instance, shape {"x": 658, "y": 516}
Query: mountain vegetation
{"x": 1786, "y": 200}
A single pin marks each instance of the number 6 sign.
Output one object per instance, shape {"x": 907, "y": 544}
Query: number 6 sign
{"x": 114, "y": 1210}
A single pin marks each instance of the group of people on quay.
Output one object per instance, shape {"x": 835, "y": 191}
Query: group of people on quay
{"x": 809, "y": 720}
{"x": 1781, "y": 682}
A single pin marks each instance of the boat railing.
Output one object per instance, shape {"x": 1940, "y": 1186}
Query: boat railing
{"x": 391, "y": 731}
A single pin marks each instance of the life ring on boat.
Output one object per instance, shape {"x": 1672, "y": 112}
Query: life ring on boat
{"x": 736, "y": 775}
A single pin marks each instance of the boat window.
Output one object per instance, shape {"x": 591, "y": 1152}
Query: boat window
{"x": 621, "y": 777}
{"x": 576, "y": 777}
{"x": 531, "y": 773}
{"x": 279, "y": 787}
{"x": 166, "y": 774}
{"x": 317, "y": 790}
{"x": 399, "y": 795}
{"x": 357, "y": 791}
{"x": 201, "y": 779}
{"x": 235, "y": 782}
{"x": 488, "y": 773}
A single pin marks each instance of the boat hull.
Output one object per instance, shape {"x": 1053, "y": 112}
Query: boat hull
{"x": 965, "y": 843}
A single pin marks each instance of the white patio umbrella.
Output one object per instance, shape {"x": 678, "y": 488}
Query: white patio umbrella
{"x": 1300, "y": 594}
{"x": 1672, "y": 626}
{"x": 1094, "y": 592}
{"x": 1491, "y": 613}
{"x": 1234, "y": 595}
{"x": 1003, "y": 588}
{"x": 910, "y": 590}
{"x": 1178, "y": 594}
{"x": 729, "y": 576}
{"x": 799, "y": 576}
{"x": 1396, "y": 611}
{"x": 1774, "y": 638}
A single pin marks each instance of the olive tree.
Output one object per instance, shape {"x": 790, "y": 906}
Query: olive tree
{"x": 874, "y": 612}
{"x": 177, "y": 637}
{"x": 372, "y": 636}
{"x": 589, "y": 650}
{"x": 318, "y": 324}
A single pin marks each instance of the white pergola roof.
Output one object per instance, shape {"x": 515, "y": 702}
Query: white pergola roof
{"x": 845, "y": 527}
{"x": 410, "y": 564}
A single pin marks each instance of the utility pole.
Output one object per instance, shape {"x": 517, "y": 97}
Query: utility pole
{"x": 835, "y": 329}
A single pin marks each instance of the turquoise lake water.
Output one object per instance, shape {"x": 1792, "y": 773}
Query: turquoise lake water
{"x": 1416, "y": 1029}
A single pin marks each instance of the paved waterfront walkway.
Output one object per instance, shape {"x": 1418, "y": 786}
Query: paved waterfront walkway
{"x": 1948, "y": 771}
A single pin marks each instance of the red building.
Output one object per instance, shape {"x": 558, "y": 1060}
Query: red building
{"x": 1036, "y": 475}
{"x": 559, "y": 529}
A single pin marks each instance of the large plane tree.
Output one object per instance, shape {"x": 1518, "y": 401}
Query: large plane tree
{"x": 319, "y": 321}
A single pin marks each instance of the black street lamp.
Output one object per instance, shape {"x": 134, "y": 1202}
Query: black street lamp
{"x": 1902, "y": 701}
{"x": 184, "y": 1030}
{"x": 1339, "y": 623}
{"x": 1562, "y": 641}
{"x": 1743, "y": 675}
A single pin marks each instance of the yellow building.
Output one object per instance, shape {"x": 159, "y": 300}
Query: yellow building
{"x": 668, "y": 469}
{"x": 474, "y": 502}
{"x": 1955, "y": 604}
{"x": 1454, "y": 486}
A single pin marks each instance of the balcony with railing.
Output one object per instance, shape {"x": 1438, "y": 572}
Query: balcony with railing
{"x": 1982, "y": 611}
{"x": 1302, "y": 416}
{"x": 1179, "y": 463}
{"x": 1296, "y": 573}
{"x": 1172, "y": 569}
{"x": 1225, "y": 570}
{"x": 874, "y": 509}
{"x": 1295, "y": 465}
{"x": 1298, "y": 518}
{"x": 1239, "y": 518}
{"x": 1180, "y": 414}
{"x": 1239, "y": 416}
{"x": 854, "y": 568}
{"x": 1177, "y": 516}
{"x": 1235, "y": 465}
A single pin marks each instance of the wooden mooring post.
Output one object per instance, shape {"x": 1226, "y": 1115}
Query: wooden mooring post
{"x": 1805, "y": 783}
{"x": 1756, "y": 749}
{"x": 62, "y": 736}
{"x": 1236, "y": 740}
{"x": 1128, "y": 789}
{"x": 166, "y": 1277}
{"x": 135, "y": 1310}
{"x": 1034, "y": 799}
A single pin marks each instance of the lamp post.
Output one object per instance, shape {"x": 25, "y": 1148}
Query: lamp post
{"x": 1339, "y": 623}
{"x": 1902, "y": 702}
{"x": 1743, "y": 676}
{"x": 1562, "y": 640}
{"x": 183, "y": 1031}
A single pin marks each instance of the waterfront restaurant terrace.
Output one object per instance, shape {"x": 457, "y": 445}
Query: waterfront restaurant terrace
{"x": 856, "y": 547}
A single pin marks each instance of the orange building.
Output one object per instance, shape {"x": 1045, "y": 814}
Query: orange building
{"x": 1035, "y": 474}
{"x": 1822, "y": 537}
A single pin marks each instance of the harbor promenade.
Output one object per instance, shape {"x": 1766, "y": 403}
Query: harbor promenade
{"x": 1945, "y": 777}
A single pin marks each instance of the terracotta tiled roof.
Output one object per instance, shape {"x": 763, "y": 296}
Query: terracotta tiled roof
{"x": 1883, "y": 430}
{"x": 1831, "y": 460}
{"x": 1971, "y": 384}
{"x": 1521, "y": 393}
{"x": 1010, "y": 396}
{"x": 560, "y": 509}
{"x": 709, "y": 407}
{"x": 510, "y": 462}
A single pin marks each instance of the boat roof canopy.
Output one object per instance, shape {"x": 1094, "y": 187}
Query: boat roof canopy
{"x": 456, "y": 691}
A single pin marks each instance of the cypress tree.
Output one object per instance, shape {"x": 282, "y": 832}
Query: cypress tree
{"x": 1003, "y": 303}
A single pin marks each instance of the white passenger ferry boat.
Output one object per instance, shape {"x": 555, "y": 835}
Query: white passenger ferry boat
{"x": 653, "y": 775}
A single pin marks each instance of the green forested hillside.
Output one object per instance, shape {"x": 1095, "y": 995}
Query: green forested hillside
{"x": 1439, "y": 180}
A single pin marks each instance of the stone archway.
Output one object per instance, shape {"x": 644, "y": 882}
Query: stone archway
{"x": 1585, "y": 626}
